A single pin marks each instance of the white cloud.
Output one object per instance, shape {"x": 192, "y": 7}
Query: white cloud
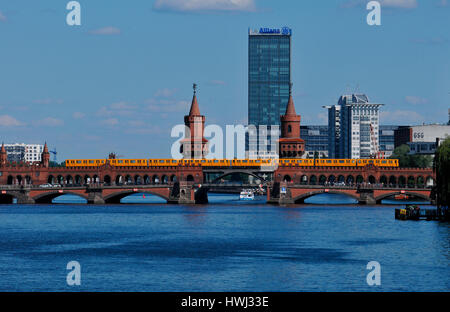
{"x": 396, "y": 4}
{"x": 9, "y": 121}
{"x": 78, "y": 115}
{"x": 204, "y": 5}
{"x": 167, "y": 106}
{"x": 2, "y": 17}
{"x": 110, "y": 122}
{"x": 401, "y": 4}
{"x": 48, "y": 101}
{"x": 166, "y": 92}
{"x": 117, "y": 109}
{"x": 49, "y": 122}
{"x": 109, "y": 30}
{"x": 415, "y": 100}
{"x": 217, "y": 82}
{"x": 401, "y": 117}
{"x": 443, "y": 3}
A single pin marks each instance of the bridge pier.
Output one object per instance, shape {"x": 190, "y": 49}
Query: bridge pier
{"x": 366, "y": 197}
{"x": 182, "y": 193}
{"x": 95, "y": 196}
{"x": 279, "y": 194}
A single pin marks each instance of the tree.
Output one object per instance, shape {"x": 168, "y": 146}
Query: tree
{"x": 442, "y": 168}
{"x": 405, "y": 160}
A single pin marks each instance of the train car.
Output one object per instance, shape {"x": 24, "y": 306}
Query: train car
{"x": 85, "y": 162}
{"x": 163, "y": 162}
{"x": 128, "y": 162}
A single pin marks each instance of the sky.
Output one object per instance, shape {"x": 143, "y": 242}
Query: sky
{"x": 122, "y": 79}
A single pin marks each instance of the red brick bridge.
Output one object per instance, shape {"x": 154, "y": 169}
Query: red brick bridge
{"x": 108, "y": 184}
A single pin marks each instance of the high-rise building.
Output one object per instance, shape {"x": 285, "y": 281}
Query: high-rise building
{"x": 269, "y": 77}
{"x": 316, "y": 140}
{"x": 355, "y": 134}
{"x": 24, "y": 152}
{"x": 387, "y": 139}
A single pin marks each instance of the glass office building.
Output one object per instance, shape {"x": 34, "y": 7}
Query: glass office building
{"x": 269, "y": 76}
{"x": 316, "y": 140}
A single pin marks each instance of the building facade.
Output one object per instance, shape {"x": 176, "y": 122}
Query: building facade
{"x": 353, "y": 126}
{"x": 316, "y": 141}
{"x": 269, "y": 77}
{"x": 387, "y": 139}
{"x": 422, "y": 139}
{"x": 24, "y": 152}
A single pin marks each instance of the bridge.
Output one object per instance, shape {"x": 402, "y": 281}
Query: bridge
{"x": 191, "y": 193}
{"x": 285, "y": 193}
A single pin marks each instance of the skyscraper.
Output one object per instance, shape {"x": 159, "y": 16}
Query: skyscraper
{"x": 355, "y": 133}
{"x": 269, "y": 77}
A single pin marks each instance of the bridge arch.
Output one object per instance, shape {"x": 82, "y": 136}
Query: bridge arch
{"x": 301, "y": 198}
{"x": 51, "y": 179}
{"x": 304, "y": 179}
{"x": 78, "y": 180}
{"x": 252, "y": 174}
{"x": 313, "y": 180}
{"x": 322, "y": 179}
{"x": 48, "y": 197}
{"x": 359, "y": 179}
{"x": 69, "y": 180}
{"x": 173, "y": 178}
{"x": 115, "y": 198}
{"x": 401, "y": 181}
{"x": 392, "y": 181}
{"x": 107, "y": 179}
{"x": 430, "y": 181}
{"x": 350, "y": 180}
{"x": 341, "y": 179}
{"x": 411, "y": 182}
{"x": 10, "y": 180}
{"x": 287, "y": 178}
{"x": 372, "y": 179}
{"x": 420, "y": 182}
{"x": 164, "y": 179}
{"x": 411, "y": 193}
{"x": 138, "y": 180}
{"x": 383, "y": 180}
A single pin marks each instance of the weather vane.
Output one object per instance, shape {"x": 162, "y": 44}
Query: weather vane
{"x": 194, "y": 86}
{"x": 290, "y": 88}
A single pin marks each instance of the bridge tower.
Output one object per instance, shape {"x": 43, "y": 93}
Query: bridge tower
{"x": 290, "y": 143}
{"x": 45, "y": 157}
{"x": 194, "y": 145}
{"x": 3, "y": 156}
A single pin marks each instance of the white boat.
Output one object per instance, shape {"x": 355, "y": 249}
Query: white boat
{"x": 246, "y": 195}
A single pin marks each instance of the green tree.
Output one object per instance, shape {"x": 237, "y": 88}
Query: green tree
{"x": 405, "y": 160}
{"x": 442, "y": 167}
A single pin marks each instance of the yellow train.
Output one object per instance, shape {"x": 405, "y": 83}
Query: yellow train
{"x": 231, "y": 162}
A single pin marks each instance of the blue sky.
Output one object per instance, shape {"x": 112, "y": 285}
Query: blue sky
{"x": 123, "y": 79}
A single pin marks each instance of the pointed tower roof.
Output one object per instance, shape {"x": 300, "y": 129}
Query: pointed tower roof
{"x": 290, "y": 108}
{"x": 3, "y": 150}
{"x": 45, "y": 148}
{"x": 195, "y": 110}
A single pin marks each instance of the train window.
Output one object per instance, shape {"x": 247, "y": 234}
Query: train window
{"x": 329, "y": 161}
{"x": 132, "y": 161}
{"x": 120, "y": 161}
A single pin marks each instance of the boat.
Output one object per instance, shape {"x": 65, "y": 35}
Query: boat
{"x": 246, "y": 195}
